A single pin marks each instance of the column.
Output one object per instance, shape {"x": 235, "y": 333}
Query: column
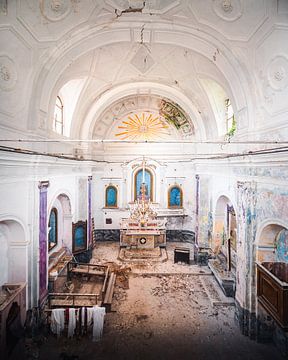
{"x": 43, "y": 186}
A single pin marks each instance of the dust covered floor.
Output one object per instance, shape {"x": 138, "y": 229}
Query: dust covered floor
{"x": 162, "y": 311}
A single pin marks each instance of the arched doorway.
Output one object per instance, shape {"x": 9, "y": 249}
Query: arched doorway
{"x": 272, "y": 260}
{"x": 13, "y": 282}
{"x": 272, "y": 243}
{"x": 60, "y": 224}
{"x": 225, "y": 229}
{"x": 13, "y": 254}
{"x": 224, "y": 245}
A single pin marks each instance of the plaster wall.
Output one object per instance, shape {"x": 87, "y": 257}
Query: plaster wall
{"x": 165, "y": 175}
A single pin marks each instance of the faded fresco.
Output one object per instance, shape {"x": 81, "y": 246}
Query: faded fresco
{"x": 205, "y": 216}
{"x": 281, "y": 245}
{"x": 272, "y": 204}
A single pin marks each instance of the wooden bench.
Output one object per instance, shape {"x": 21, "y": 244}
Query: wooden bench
{"x": 109, "y": 292}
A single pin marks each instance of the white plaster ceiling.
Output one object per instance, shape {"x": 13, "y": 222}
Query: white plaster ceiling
{"x": 102, "y": 53}
{"x": 178, "y": 68}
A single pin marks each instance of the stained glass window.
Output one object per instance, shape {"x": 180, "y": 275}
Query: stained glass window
{"x": 53, "y": 229}
{"x": 79, "y": 233}
{"x": 148, "y": 179}
{"x": 175, "y": 196}
{"x": 111, "y": 196}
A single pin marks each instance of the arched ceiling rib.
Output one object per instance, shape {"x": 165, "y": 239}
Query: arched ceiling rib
{"x": 174, "y": 73}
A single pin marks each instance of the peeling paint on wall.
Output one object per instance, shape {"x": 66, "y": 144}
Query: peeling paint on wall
{"x": 272, "y": 204}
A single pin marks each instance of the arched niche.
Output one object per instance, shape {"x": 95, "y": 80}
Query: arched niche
{"x": 111, "y": 196}
{"x": 13, "y": 254}
{"x": 272, "y": 243}
{"x": 175, "y": 197}
{"x": 61, "y": 206}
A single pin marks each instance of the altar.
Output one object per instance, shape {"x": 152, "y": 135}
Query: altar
{"x": 142, "y": 238}
{"x": 142, "y": 230}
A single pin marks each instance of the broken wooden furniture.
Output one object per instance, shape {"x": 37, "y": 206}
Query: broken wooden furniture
{"x": 87, "y": 270}
{"x": 99, "y": 274}
{"x": 182, "y": 255}
{"x": 107, "y": 302}
{"x": 69, "y": 300}
{"x": 57, "y": 267}
{"x": 272, "y": 290}
{"x": 12, "y": 310}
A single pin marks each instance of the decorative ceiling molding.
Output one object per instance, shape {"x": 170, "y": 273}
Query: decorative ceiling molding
{"x": 55, "y": 10}
{"x": 142, "y": 60}
{"x": 277, "y": 73}
{"x": 8, "y": 73}
{"x": 3, "y": 7}
{"x": 228, "y": 10}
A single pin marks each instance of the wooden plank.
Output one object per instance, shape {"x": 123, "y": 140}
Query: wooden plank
{"x": 87, "y": 272}
{"x": 72, "y": 294}
{"x": 109, "y": 292}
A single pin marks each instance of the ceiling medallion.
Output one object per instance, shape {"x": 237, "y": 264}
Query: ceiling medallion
{"x": 143, "y": 127}
{"x": 8, "y": 73}
{"x": 277, "y": 73}
{"x": 228, "y": 10}
{"x": 55, "y": 10}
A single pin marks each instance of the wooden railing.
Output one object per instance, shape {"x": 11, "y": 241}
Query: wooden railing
{"x": 70, "y": 299}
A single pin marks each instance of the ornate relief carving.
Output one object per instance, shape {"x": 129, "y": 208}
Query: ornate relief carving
{"x": 55, "y": 10}
{"x": 229, "y": 10}
{"x": 277, "y": 73}
{"x": 8, "y": 74}
{"x": 227, "y": 6}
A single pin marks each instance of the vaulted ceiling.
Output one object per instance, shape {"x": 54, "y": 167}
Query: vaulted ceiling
{"x": 114, "y": 59}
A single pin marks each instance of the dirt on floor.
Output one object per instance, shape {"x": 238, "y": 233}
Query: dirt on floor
{"x": 161, "y": 311}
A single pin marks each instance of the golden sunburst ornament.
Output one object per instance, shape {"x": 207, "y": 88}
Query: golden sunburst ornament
{"x": 142, "y": 127}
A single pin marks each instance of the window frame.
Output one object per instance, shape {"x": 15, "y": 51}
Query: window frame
{"x": 55, "y": 211}
{"x": 106, "y": 197}
{"x": 151, "y": 187}
{"x": 169, "y": 197}
{"x": 61, "y": 122}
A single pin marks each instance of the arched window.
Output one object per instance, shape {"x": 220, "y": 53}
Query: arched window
{"x": 53, "y": 229}
{"x": 138, "y": 180}
{"x": 58, "y": 116}
{"x": 230, "y": 119}
{"x": 175, "y": 197}
{"x": 111, "y": 196}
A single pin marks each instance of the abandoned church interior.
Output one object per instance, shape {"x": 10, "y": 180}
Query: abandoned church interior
{"x": 143, "y": 179}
